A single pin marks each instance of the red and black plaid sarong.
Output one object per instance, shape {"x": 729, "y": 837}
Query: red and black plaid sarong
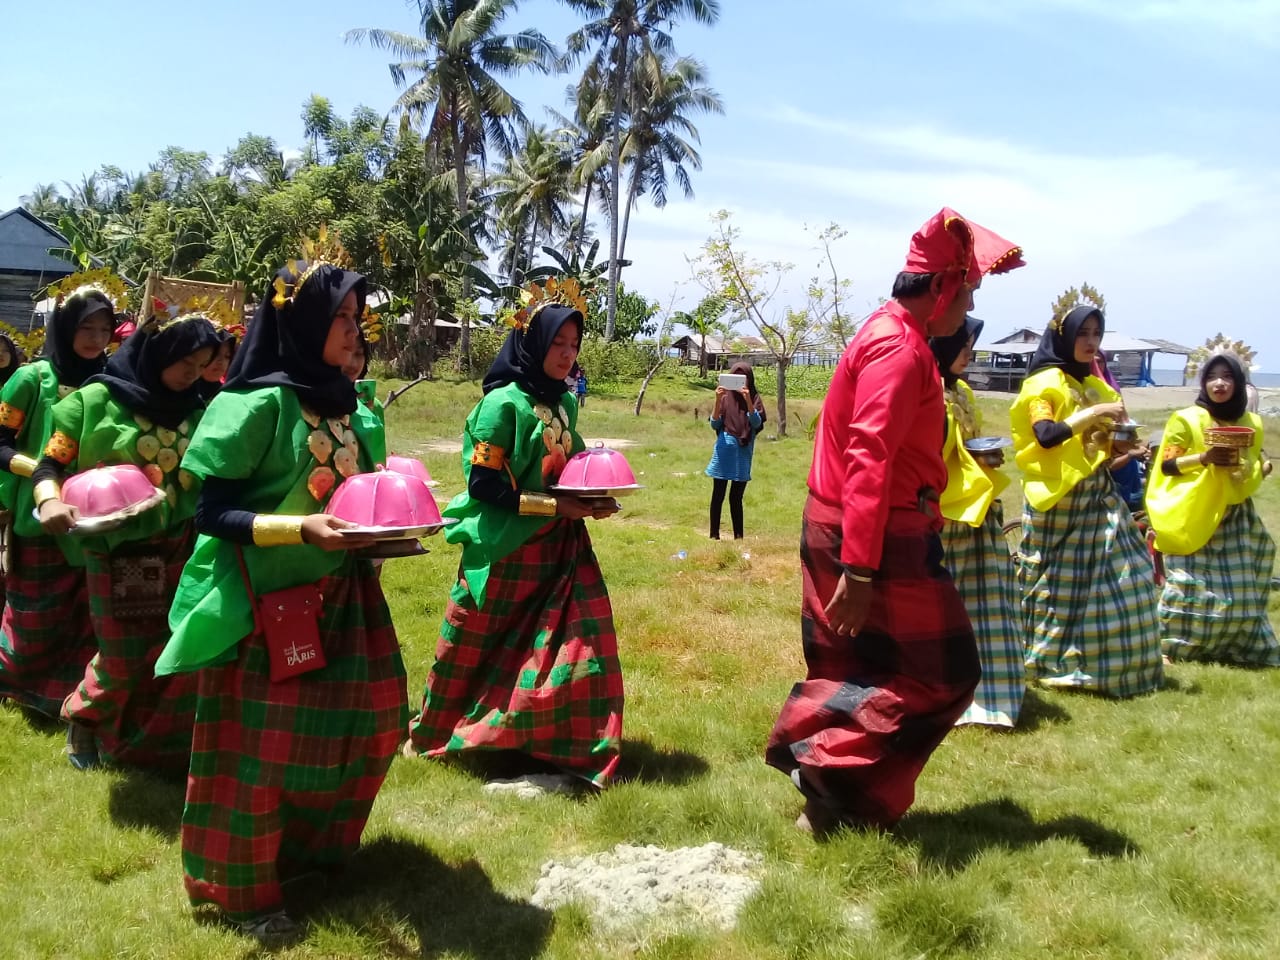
{"x": 855, "y": 734}
{"x": 283, "y": 775}
{"x": 139, "y": 719}
{"x": 536, "y": 670}
{"x": 46, "y": 637}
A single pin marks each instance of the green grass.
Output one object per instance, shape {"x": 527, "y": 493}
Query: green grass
{"x": 1142, "y": 829}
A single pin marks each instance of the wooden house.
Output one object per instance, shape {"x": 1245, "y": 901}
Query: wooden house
{"x": 26, "y": 266}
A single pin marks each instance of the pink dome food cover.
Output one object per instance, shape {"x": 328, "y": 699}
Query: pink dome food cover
{"x": 385, "y": 499}
{"x": 597, "y": 469}
{"x": 104, "y": 491}
{"x": 410, "y": 467}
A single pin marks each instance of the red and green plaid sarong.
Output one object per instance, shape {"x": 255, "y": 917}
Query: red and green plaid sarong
{"x": 46, "y": 637}
{"x": 139, "y": 719}
{"x": 537, "y": 669}
{"x": 283, "y": 775}
{"x": 855, "y": 734}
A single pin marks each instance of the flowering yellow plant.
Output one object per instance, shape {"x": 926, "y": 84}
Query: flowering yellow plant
{"x": 102, "y": 280}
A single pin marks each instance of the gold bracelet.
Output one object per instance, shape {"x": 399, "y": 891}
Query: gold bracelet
{"x": 21, "y": 465}
{"x": 537, "y": 505}
{"x": 1190, "y": 462}
{"x": 1079, "y": 420}
{"x": 45, "y": 491}
{"x": 276, "y": 530}
{"x": 857, "y": 577}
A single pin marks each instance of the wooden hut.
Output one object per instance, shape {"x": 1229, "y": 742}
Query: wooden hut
{"x": 26, "y": 266}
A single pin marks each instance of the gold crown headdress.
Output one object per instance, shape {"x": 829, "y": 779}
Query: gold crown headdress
{"x": 320, "y": 252}
{"x": 101, "y": 280}
{"x": 562, "y": 292}
{"x": 1072, "y": 298}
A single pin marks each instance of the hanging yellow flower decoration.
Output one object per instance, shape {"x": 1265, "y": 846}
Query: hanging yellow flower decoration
{"x": 102, "y": 280}
{"x": 566, "y": 292}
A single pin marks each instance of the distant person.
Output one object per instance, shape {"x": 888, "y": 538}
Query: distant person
{"x": 1218, "y": 555}
{"x": 890, "y": 653}
{"x": 11, "y": 358}
{"x": 736, "y": 418}
{"x": 216, "y": 372}
{"x": 973, "y": 543}
{"x": 1128, "y": 467}
{"x": 580, "y": 388}
{"x": 1088, "y": 585}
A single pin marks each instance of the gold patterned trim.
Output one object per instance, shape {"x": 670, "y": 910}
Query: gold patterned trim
{"x": 62, "y": 448}
{"x": 12, "y": 417}
{"x": 276, "y": 530}
{"x": 488, "y": 455}
{"x": 537, "y": 505}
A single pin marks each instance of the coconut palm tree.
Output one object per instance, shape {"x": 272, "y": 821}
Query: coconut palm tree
{"x": 659, "y": 145}
{"x": 449, "y": 77}
{"x": 535, "y": 187}
{"x": 622, "y": 32}
{"x": 588, "y": 129}
{"x": 44, "y": 202}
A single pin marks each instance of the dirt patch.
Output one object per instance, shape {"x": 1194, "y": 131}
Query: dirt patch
{"x": 706, "y": 884}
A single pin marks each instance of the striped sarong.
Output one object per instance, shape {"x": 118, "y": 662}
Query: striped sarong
{"x": 284, "y": 775}
{"x": 46, "y": 636}
{"x": 1214, "y": 603}
{"x": 856, "y": 733}
{"x": 978, "y": 560}
{"x": 1089, "y": 594}
{"x": 536, "y": 670}
{"x": 139, "y": 719}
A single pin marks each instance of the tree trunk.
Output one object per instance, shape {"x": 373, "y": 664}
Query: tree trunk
{"x": 783, "y": 363}
{"x": 645, "y": 386}
{"x": 533, "y": 241}
{"x": 460, "y": 171}
{"x": 582, "y": 227}
{"x": 702, "y": 358}
{"x": 615, "y": 173}
{"x": 633, "y": 191}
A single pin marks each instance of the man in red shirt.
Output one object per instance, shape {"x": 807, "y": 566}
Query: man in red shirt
{"x": 891, "y": 656}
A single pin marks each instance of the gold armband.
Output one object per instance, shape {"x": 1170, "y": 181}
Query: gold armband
{"x": 45, "y": 491}
{"x": 1079, "y": 420}
{"x": 21, "y": 465}
{"x": 489, "y": 455}
{"x": 1190, "y": 463}
{"x": 537, "y": 505}
{"x": 276, "y": 530}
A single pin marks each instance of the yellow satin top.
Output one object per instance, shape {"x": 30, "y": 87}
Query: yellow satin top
{"x": 971, "y": 487}
{"x": 1050, "y": 474}
{"x": 1186, "y": 509}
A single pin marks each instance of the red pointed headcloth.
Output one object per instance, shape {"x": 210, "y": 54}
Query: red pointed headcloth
{"x": 963, "y": 252}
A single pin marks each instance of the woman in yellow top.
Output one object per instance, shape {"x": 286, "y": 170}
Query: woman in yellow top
{"x": 1218, "y": 555}
{"x": 1088, "y": 586}
{"x": 973, "y": 541}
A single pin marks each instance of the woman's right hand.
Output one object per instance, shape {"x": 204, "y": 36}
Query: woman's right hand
{"x": 1109, "y": 411}
{"x": 322, "y": 530}
{"x": 57, "y": 517}
{"x": 574, "y": 508}
{"x": 1219, "y": 457}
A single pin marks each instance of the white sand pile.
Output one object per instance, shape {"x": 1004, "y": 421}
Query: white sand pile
{"x": 706, "y": 884}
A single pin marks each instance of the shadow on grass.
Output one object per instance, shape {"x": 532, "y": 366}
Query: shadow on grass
{"x": 642, "y": 762}
{"x": 1037, "y": 712}
{"x": 953, "y": 839}
{"x": 142, "y": 800}
{"x": 394, "y": 886}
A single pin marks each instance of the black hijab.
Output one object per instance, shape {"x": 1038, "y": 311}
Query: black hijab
{"x": 16, "y": 359}
{"x": 947, "y": 349}
{"x": 1058, "y": 349}
{"x": 71, "y": 368}
{"x": 209, "y": 389}
{"x": 285, "y": 346}
{"x": 133, "y": 372}
{"x": 734, "y": 411}
{"x": 1234, "y": 408}
{"x": 524, "y": 351}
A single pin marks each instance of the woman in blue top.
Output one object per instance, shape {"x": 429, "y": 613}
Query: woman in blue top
{"x": 737, "y": 418}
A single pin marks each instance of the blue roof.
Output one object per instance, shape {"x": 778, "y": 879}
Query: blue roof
{"x": 25, "y": 240}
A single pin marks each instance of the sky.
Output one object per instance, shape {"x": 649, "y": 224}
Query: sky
{"x": 1131, "y": 144}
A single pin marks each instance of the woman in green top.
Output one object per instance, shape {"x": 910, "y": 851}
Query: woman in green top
{"x": 527, "y": 658}
{"x": 140, "y": 410}
{"x": 300, "y": 709}
{"x": 46, "y": 637}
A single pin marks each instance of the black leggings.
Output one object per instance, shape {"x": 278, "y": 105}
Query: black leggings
{"x": 736, "y": 489}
